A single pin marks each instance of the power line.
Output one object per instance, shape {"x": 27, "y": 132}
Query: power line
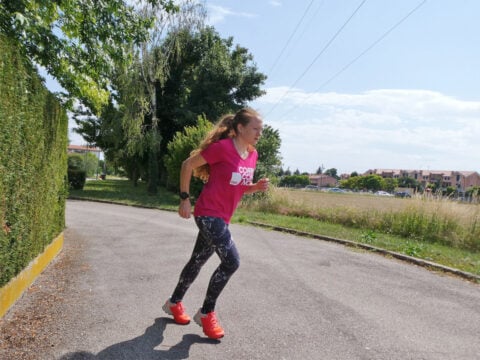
{"x": 383, "y": 36}
{"x": 302, "y": 34}
{"x": 290, "y": 38}
{"x": 372, "y": 45}
{"x": 318, "y": 56}
{"x": 312, "y": 18}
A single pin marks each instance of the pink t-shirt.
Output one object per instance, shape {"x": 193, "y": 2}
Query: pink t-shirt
{"x": 229, "y": 177}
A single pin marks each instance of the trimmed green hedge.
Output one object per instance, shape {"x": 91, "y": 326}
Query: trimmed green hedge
{"x": 33, "y": 163}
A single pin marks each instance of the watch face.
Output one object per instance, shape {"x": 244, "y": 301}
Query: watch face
{"x": 184, "y": 195}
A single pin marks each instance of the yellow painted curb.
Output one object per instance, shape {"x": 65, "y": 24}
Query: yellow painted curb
{"x": 15, "y": 288}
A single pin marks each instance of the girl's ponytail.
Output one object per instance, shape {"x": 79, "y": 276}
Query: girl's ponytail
{"x": 226, "y": 127}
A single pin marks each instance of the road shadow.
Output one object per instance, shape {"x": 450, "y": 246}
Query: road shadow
{"x": 143, "y": 346}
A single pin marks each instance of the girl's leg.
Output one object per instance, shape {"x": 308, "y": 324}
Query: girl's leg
{"x": 216, "y": 230}
{"x": 201, "y": 253}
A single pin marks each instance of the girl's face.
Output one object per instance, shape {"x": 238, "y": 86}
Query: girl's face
{"x": 251, "y": 132}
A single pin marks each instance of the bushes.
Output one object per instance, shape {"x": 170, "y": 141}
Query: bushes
{"x": 33, "y": 163}
{"x": 76, "y": 179}
{"x": 180, "y": 148}
{"x": 76, "y": 173}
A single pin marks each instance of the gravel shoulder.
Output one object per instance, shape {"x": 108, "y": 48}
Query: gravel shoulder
{"x": 32, "y": 325}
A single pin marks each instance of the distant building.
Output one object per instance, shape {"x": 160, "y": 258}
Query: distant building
{"x": 322, "y": 180}
{"x": 460, "y": 180}
{"x": 83, "y": 149}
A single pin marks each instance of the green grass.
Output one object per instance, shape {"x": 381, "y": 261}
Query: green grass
{"x": 122, "y": 191}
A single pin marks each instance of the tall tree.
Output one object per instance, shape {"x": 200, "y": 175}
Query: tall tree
{"x": 134, "y": 119}
{"x": 148, "y": 75}
{"x": 269, "y": 159}
{"x": 193, "y": 72}
{"x": 207, "y": 75}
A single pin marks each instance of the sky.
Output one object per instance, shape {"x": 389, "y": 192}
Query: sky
{"x": 357, "y": 85}
{"x": 364, "y": 84}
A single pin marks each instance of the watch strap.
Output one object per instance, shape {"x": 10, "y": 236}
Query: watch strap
{"x": 184, "y": 195}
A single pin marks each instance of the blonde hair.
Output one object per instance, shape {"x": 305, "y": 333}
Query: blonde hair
{"x": 226, "y": 127}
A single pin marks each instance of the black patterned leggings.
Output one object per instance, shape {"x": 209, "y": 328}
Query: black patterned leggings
{"x": 213, "y": 235}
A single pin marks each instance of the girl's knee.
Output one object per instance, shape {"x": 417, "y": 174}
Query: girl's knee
{"x": 236, "y": 264}
{"x": 231, "y": 265}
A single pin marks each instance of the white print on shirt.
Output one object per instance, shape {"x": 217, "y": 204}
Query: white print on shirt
{"x": 236, "y": 178}
{"x": 244, "y": 176}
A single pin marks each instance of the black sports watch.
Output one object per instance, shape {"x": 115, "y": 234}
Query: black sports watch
{"x": 184, "y": 195}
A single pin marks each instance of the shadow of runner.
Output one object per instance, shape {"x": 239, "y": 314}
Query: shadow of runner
{"x": 143, "y": 347}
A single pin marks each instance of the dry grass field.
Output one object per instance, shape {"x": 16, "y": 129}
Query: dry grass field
{"x": 463, "y": 212}
{"x": 421, "y": 218}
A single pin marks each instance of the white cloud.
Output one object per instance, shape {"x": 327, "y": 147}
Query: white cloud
{"x": 388, "y": 128}
{"x": 218, "y": 14}
{"x": 275, "y": 3}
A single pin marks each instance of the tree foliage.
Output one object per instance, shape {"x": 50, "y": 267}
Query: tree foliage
{"x": 139, "y": 91}
{"x": 179, "y": 149}
{"x": 87, "y": 162}
{"x": 207, "y": 75}
{"x": 294, "y": 181}
{"x": 366, "y": 182}
{"x": 269, "y": 159}
{"x": 474, "y": 191}
{"x": 75, "y": 162}
{"x": 390, "y": 184}
{"x": 408, "y": 182}
{"x": 80, "y": 43}
{"x": 198, "y": 73}
{"x": 332, "y": 172}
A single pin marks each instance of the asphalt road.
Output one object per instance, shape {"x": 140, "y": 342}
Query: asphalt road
{"x": 292, "y": 298}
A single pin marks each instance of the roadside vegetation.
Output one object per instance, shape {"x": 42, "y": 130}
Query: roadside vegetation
{"x": 122, "y": 191}
{"x": 421, "y": 218}
{"x": 441, "y": 231}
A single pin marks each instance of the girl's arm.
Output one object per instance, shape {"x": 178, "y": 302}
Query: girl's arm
{"x": 185, "y": 208}
{"x": 261, "y": 185}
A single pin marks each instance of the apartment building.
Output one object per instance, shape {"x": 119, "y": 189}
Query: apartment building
{"x": 461, "y": 180}
{"x": 322, "y": 180}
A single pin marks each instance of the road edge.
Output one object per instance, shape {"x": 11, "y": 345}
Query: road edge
{"x": 424, "y": 263}
{"x": 420, "y": 262}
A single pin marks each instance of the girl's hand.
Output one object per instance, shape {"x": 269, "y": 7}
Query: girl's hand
{"x": 185, "y": 209}
{"x": 262, "y": 184}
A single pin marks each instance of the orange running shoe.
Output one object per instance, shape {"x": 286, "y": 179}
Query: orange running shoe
{"x": 178, "y": 312}
{"x": 209, "y": 324}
